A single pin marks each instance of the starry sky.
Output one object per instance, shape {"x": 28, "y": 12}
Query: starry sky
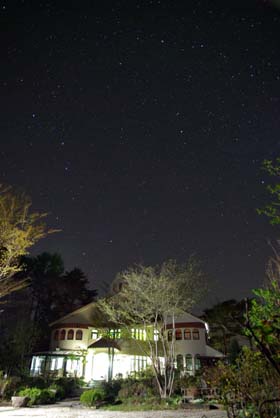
{"x": 141, "y": 126}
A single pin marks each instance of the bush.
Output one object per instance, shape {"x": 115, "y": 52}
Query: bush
{"x": 57, "y": 390}
{"x": 111, "y": 389}
{"x": 38, "y": 396}
{"x": 67, "y": 384}
{"x": 9, "y": 386}
{"x": 135, "y": 389}
{"x": 93, "y": 396}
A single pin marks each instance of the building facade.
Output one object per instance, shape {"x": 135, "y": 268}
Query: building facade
{"x": 79, "y": 347}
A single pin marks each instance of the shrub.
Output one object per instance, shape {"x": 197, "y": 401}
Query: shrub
{"x": 68, "y": 384}
{"x": 135, "y": 389}
{"x": 93, "y": 396}
{"x": 57, "y": 390}
{"x": 38, "y": 396}
{"x": 35, "y": 381}
{"x": 8, "y": 386}
{"x": 111, "y": 389}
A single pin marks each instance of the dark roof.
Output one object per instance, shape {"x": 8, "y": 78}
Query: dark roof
{"x": 104, "y": 343}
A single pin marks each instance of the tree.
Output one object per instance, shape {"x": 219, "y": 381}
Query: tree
{"x": 52, "y": 292}
{"x": 272, "y": 209}
{"x": 225, "y": 320}
{"x": 20, "y": 229}
{"x": 263, "y": 315}
{"x": 151, "y": 297}
{"x": 244, "y": 387}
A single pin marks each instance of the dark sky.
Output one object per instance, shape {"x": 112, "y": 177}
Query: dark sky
{"x": 141, "y": 128}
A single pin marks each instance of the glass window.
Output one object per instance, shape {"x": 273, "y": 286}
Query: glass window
{"x": 197, "y": 362}
{"x": 56, "y": 335}
{"x": 189, "y": 363}
{"x": 180, "y": 362}
{"x": 187, "y": 334}
{"x": 195, "y": 334}
{"x": 94, "y": 334}
{"x": 62, "y": 334}
{"x": 169, "y": 335}
{"x": 79, "y": 334}
{"x": 70, "y": 334}
{"x": 178, "y": 334}
{"x": 138, "y": 334}
{"x": 156, "y": 335}
{"x": 114, "y": 333}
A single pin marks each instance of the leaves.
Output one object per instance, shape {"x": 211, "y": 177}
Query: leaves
{"x": 271, "y": 210}
{"x": 20, "y": 229}
{"x": 151, "y": 297}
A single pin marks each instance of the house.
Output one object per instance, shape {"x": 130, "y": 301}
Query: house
{"x": 81, "y": 345}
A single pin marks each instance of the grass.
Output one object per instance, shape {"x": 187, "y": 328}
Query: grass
{"x": 147, "y": 406}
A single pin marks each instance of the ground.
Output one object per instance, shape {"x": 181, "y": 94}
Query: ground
{"x": 72, "y": 410}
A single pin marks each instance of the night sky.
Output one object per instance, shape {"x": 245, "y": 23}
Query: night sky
{"x": 141, "y": 127}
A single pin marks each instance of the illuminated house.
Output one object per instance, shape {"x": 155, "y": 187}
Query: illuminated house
{"x": 79, "y": 347}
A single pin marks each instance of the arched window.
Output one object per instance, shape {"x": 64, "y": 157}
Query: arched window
{"x": 56, "y": 335}
{"x": 197, "y": 362}
{"x": 169, "y": 335}
{"x": 79, "y": 334}
{"x": 180, "y": 362}
{"x": 70, "y": 334}
{"x": 187, "y": 334}
{"x": 195, "y": 334}
{"x": 189, "y": 363}
{"x": 178, "y": 334}
{"x": 62, "y": 334}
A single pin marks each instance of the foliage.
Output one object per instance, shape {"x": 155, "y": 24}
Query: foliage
{"x": 24, "y": 324}
{"x": 243, "y": 387}
{"x": 263, "y": 322}
{"x": 151, "y": 297}
{"x": 271, "y": 210}
{"x": 234, "y": 351}
{"x": 38, "y": 396}
{"x": 68, "y": 384}
{"x": 53, "y": 292}
{"x": 8, "y": 385}
{"x": 58, "y": 391}
{"x": 112, "y": 389}
{"x": 20, "y": 229}
{"x": 136, "y": 389}
{"x": 225, "y": 319}
{"x": 93, "y": 396}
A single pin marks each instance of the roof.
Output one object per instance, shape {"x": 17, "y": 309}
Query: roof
{"x": 211, "y": 352}
{"x": 57, "y": 353}
{"x": 103, "y": 342}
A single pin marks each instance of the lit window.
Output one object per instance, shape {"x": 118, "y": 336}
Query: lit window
{"x": 79, "y": 334}
{"x": 62, "y": 334}
{"x": 178, "y": 334}
{"x": 70, "y": 334}
{"x": 189, "y": 363}
{"x": 187, "y": 334}
{"x": 169, "y": 335}
{"x": 114, "y": 333}
{"x": 94, "y": 334}
{"x": 156, "y": 335}
{"x": 138, "y": 334}
{"x": 56, "y": 335}
{"x": 195, "y": 334}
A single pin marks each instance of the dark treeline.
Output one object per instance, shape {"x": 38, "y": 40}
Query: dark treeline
{"x": 25, "y": 316}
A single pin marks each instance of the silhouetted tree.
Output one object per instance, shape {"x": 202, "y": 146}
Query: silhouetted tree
{"x": 226, "y": 319}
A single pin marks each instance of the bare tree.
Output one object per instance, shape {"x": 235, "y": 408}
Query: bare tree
{"x": 20, "y": 229}
{"x": 151, "y": 297}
